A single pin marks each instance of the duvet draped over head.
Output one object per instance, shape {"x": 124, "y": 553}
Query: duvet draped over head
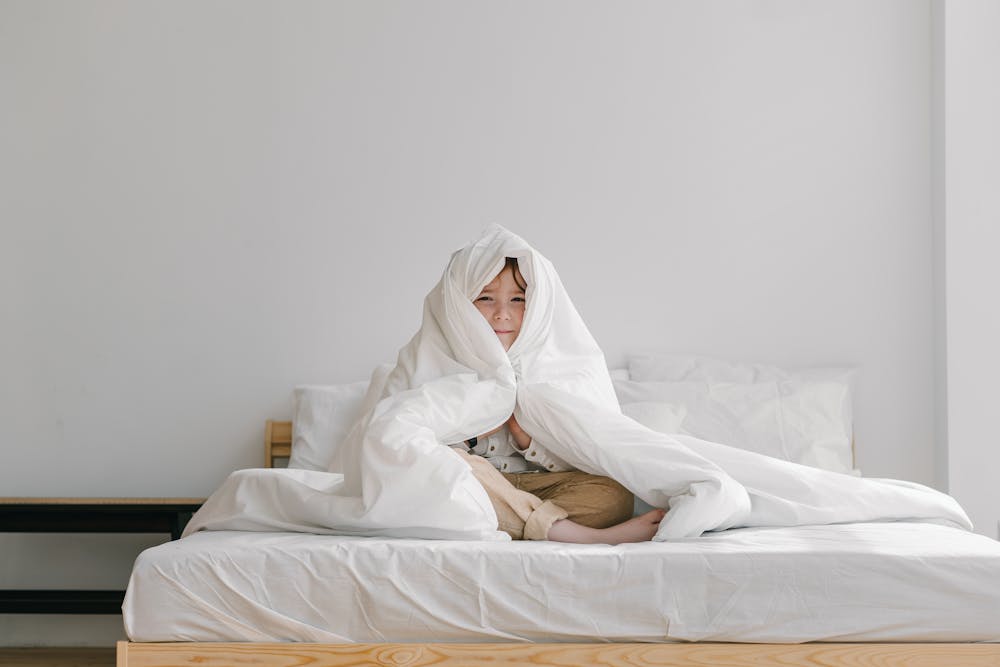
{"x": 454, "y": 380}
{"x": 395, "y": 476}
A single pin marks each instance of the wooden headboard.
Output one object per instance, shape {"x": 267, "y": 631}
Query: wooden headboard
{"x": 277, "y": 441}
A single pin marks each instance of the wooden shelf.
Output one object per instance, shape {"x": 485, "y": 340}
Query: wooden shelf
{"x": 86, "y": 515}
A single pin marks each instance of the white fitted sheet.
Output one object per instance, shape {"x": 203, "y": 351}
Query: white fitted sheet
{"x": 855, "y": 582}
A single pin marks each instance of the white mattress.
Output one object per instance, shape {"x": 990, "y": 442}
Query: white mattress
{"x": 859, "y": 582}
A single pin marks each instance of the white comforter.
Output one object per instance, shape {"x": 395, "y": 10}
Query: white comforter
{"x": 394, "y": 476}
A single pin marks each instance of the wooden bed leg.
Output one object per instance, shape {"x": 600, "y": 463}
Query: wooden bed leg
{"x": 121, "y": 659}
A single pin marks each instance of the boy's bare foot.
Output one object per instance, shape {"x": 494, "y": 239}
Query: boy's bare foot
{"x": 637, "y": 529}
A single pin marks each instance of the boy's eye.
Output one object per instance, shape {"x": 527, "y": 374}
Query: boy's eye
{"x": 519, "y": 298}
{"x": 483, "y": 298}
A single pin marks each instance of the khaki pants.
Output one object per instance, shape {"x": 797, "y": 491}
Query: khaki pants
{"x": 528, "y": 503}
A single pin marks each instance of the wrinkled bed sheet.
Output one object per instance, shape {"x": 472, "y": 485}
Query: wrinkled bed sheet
{"x": 858, "y": 582}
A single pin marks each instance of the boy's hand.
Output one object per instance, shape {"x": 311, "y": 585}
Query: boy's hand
{"x": 521, "y": 439}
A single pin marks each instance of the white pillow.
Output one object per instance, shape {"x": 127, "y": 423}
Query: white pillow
{"x": 801, "y": 416}
{"x": 322, "y": 416}
{"x": 681, "y": 367}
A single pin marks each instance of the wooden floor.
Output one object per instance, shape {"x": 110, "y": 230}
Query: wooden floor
{"x": 57, "y": 657}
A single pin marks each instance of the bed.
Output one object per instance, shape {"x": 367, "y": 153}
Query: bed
{"x": 853, "y": 594}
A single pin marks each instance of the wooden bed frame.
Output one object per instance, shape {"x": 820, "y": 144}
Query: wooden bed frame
{"x": 278, "y": 445}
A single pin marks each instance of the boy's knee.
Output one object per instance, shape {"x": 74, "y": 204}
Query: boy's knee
{"x": 609, "y": 502}
{"x": 621, "y": 502}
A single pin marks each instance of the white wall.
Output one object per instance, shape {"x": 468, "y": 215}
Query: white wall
{"x": 972, "y": 212}
{"x": 939, "y": 236}
{"x": 208, "y": 203}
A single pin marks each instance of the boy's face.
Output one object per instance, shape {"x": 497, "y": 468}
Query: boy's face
{"x": 502, "y": 304}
